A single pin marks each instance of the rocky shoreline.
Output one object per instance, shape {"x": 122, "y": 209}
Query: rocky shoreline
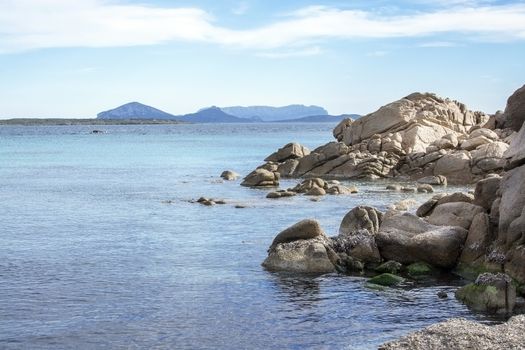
{"x": 478, "y": 236}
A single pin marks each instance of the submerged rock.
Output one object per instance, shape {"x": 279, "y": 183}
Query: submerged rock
{"x": 386, "y": 279}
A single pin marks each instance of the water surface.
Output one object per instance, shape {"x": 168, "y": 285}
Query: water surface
{"x": 92, "y": 255}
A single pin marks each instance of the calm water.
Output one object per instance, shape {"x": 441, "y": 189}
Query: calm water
{"x": 91, "y": 256}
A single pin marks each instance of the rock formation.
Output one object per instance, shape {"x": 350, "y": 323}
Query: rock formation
{"x": 419, "y": 136}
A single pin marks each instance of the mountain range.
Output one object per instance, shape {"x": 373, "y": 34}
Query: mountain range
{"x": 237, "y": 114}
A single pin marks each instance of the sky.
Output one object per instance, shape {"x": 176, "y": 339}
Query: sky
{"x": 74, "y": 59}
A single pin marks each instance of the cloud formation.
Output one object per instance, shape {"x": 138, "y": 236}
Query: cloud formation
{"x": 34, "y": 24}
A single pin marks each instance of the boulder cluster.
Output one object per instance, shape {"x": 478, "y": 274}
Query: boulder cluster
{"x": 417, "y": 136}
{"x": 481, "y": 236}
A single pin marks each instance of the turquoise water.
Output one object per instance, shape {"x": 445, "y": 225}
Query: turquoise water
{"x": 92, "y": 255}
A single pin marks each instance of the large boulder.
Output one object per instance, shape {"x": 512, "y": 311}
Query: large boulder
{"x": 486, "y": 191}
{"x": 361, "y": 217}
{"x": 302, "y": 247}
{"x": 407, "y": 238}
{"x": 512, "y": 207}
{"x": 341, "y": 127}
{"x": 290, "y": 151}
{"x": 310, "y": 256}
{"x": 304, "y": 229}
{"x": 479, "y": 239}
{"x": 516, "y": 151}
{"x": 455, "y": 167}
{"x": 455, "y": 214}
{"x": 515, "y": 110}
{"x": 261, "y": 178}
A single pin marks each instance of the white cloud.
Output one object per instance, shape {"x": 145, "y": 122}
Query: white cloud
{"x": 33, "y": 24}
{"x": 309, "y": 51}
{"x": 438, "y": 44}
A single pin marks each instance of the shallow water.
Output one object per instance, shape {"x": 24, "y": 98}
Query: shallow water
{"x": 92, "y": 256}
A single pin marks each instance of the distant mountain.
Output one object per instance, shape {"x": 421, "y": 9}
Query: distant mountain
{"x": 213, "y": 115}
{"x": 320, "y": 118}
{"x": 135, "y": 110}
{"x": 267, "y": 113}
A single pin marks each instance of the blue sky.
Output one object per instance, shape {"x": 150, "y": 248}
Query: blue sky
{"x": 62, "y": 58}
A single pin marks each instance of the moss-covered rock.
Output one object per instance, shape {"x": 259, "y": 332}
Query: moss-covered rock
{"x": 494, "y": 293}
{"x": 419, "y": 269}
{"x": 390, "y": 266}
{"x": 386, "y": 279}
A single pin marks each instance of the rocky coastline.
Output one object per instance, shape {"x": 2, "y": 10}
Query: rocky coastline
{"x": 432, "y": 141}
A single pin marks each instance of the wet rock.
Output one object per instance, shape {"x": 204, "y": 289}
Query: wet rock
{"x": 304, "y": 229}
{"x": 386, "y": 279}
{"x": 419, "y": 269}
{"x": 396, "y": 188}
{"x": 425, "y": 188}
{"x": 229, "y": 175}
{"x": 340, "y": 189}
{"x": 494, "y": 293}
{"x": 315, "y": 191}
{"x": 442, "y": 295}
{"x": 390, "y": 266}
{"x": 261, "y": 178}
{"x": 306, "y": 256}
{"x": 280, "y": 194}
{"x": 409, "y": 189}
{"x": 437, "y": 180}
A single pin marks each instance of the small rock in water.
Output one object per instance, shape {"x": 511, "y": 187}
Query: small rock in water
{"x": 425, "y": 188}
{"x": 442, "y": 294}
{"x": 220, "y": 201}
{"x": 239, "y": 206}
{"x": 169, "y": 201}
{"x": 408, "y": 189}
{"x": 229, "y": 175}
{"x": 394, "y": 187}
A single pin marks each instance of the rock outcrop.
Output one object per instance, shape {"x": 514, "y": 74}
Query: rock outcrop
{"x": 418, "y": 136}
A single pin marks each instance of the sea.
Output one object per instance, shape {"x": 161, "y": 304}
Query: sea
{"x": 103, "y": 247}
